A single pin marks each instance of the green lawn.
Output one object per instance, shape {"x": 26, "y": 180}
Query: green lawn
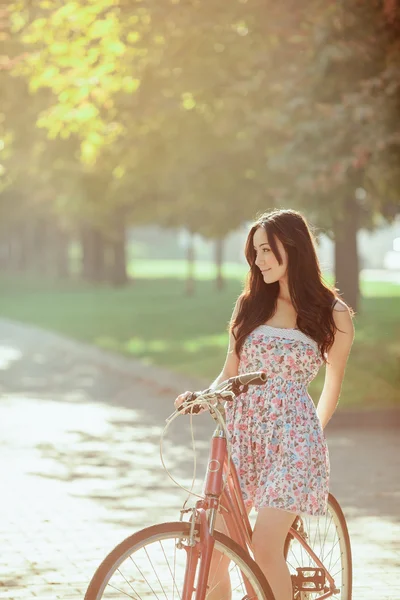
{"x": 153, "y": 320}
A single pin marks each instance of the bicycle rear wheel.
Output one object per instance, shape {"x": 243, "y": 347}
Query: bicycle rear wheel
{"x": 329, "y": 539}
{"x": 151, "y": 564}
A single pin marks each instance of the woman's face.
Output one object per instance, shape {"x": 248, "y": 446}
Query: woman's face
{"x": 265, "y": 259}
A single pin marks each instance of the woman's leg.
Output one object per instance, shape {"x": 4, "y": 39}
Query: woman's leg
{"x": 269, "y": 537}
{"x": 219, "y": 584}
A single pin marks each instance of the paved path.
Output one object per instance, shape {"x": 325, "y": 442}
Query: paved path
{"x": 79, "y": 457}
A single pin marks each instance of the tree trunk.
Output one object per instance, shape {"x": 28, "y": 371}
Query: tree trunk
{"x": 61, "y": 243}
{"x": 20, "y": 248}
{"x": 4, "y": 252}
{"x": 29, "y": 247}
{"x": 94, "y": 244}
{"x": 118, "y": 273}
{"x": 190, "y": 267}
{"x": 219, "y": 249}
{"x": 12, "y": 251}
{"x": 346, "y": 254}
{"x": 99, "y": 256}
{"x": 87, "y": 251}
{"x": 93, "y": 255}
{"x": 41, "y": 253}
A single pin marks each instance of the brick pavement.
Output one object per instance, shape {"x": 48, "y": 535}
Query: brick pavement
{"x": 79, "y": 455}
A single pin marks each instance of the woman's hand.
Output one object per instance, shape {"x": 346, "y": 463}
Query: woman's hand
{"x": 183, "y": 398}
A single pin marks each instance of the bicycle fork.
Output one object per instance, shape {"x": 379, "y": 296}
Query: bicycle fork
{"x": 199, "y": 557}
{"x": 199, "y": 552}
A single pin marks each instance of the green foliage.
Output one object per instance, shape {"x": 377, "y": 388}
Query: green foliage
{"x": 344, "y": 114}
{"x": 199, "y": 114}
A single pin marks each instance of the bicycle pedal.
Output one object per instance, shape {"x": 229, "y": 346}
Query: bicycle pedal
{"x": 309, "y": 579}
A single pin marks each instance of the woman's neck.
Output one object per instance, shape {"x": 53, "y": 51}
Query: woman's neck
{"x": 284, "y": 293}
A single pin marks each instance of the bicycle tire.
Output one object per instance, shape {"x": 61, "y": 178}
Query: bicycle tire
{"x": 338, "y": 520}
{"x": 174, "y": 530}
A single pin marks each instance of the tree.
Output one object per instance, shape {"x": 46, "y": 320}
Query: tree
{"x": 343, "y": 124}
{"x": 181, "y": 104}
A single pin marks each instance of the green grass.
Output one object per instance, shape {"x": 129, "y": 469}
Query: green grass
{"x": 154, "y": 321}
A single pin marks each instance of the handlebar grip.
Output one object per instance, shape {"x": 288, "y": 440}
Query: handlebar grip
{"x": 254, "y": 378}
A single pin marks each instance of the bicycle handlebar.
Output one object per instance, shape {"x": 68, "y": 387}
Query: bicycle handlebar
{"x": 254, "y": 378}
{"x": 234, "y": 385}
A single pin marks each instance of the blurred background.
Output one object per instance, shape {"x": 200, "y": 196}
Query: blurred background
{"x": 138, "y": 140}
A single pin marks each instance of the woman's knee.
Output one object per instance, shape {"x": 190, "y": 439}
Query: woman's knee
{"x": 270, "y": 534}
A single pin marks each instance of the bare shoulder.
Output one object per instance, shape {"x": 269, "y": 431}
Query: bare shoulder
{"x": 235, "y": 313}
{"x": 340, "y": 306}
{"x": 237, "y": 306}
{"x": 342, "y": 316}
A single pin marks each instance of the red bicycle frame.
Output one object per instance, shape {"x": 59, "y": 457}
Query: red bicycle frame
{"x": 229, "y": 500}
{"x": 235, "y": 516}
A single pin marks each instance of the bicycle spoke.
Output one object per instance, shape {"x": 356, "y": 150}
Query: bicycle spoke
{"x": 315, "y": 538}
{"x": 336, "y": 562}
{"x": 216, "y": 571}
{"x": 240, "y": 584}
{"x": 337, "y": 573}
{"x": 290, "y": 564}
{"x": 122, "y": 592}
{"x": 144, "y": 577}
{"x": 326, "y": 533}
{"x": 244, "y": 591}
{"x": 318, "y": 521}
{"x": 330, "y": 553}
{"x": 129, "y": 583}
{"x": 174, "y": 587}
{"x": 156, "y": 574}
{"x": 323, "y": 534}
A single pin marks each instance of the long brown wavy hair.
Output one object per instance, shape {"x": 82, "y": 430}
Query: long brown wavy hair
{"x": 312, "y": 298}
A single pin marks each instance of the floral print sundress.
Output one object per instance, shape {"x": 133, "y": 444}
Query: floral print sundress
{"x": 277, "y": 442}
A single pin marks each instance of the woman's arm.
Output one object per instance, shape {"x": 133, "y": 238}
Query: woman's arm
{"x": 336, "y": 365}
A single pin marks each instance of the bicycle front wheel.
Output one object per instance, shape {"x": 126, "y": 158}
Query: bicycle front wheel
{"x": 151, "y": 564}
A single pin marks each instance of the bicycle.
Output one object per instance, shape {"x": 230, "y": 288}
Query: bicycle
{"x": 172, "y": 560}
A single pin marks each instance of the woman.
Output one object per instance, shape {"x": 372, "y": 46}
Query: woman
{"x": 287, "y": 322}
